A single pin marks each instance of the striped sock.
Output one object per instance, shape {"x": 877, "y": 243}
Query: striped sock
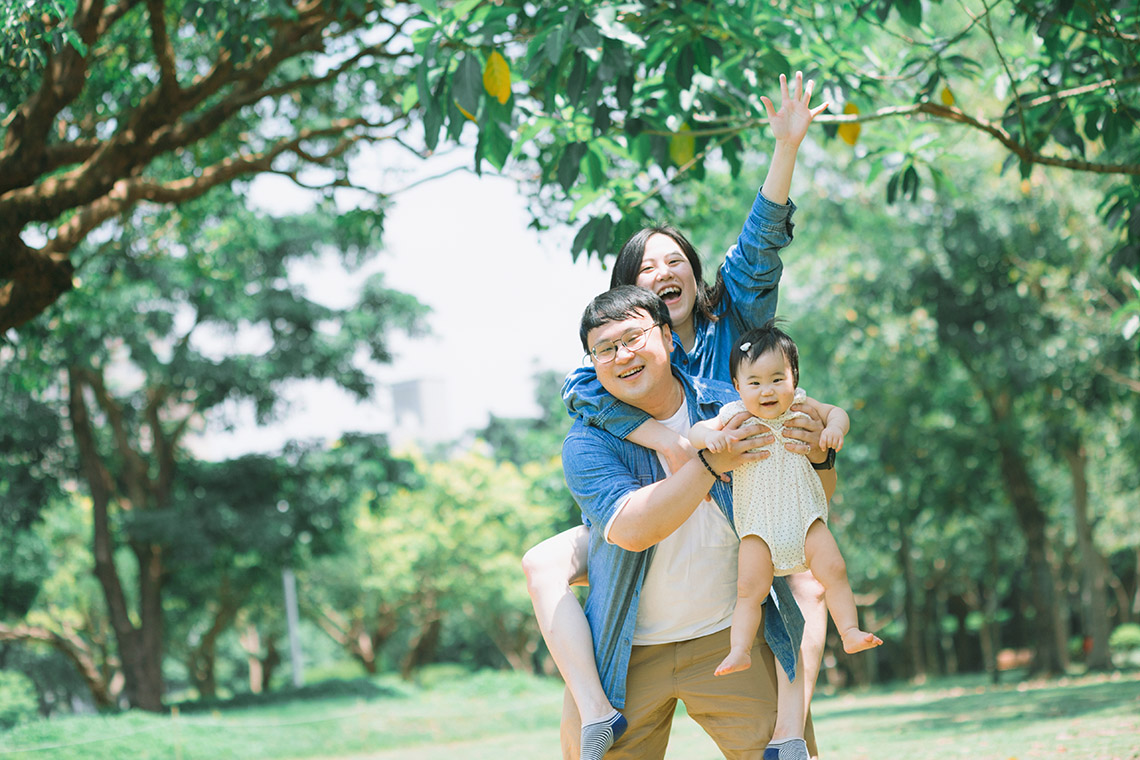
{"x": 599, "y": 736}
{"x": 787, "y": 749}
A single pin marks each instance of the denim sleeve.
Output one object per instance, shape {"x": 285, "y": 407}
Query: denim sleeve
{"x": 598, "y": 479}
{"x": 587, "y": 400}
{"x": 752, "y": 267}
{"x": 783, "y": 626}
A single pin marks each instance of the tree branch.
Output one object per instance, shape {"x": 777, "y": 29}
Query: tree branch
{"x": 128, "y": 192}
{"x": 63, "y": 80}
{"x": 1130, "y": 383}
{"x": 163, "y": 50}
{"x": 950, "y": 113}
{"x": 135, "y": 465}
{"x": 74, "y": 648}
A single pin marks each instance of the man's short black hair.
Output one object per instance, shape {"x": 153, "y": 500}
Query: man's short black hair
{"x": 761, "y": 340}
{"x": 620, "y": 303}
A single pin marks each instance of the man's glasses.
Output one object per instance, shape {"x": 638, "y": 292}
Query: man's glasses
{"x": 634, "y": 340}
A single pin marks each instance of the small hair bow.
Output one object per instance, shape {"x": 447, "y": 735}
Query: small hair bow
{"x": 745, "y": 346}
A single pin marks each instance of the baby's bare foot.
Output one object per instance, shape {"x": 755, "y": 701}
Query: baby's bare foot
{"x": 855, "y": 640}
{"x": 736, "y": 661}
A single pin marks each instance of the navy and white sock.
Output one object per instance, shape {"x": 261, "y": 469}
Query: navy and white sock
{"x": 787, "y": 749}
{"x": 599, "y": 736}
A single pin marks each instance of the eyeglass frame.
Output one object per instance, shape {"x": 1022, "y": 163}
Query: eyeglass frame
{"x": 623, "y": 343}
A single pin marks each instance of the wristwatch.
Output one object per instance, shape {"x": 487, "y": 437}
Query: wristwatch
{"x": 827, "y": 464}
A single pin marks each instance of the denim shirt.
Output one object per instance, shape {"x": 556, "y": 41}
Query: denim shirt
{"x": 601, "y": 470}
{"x": 751, "y": 273}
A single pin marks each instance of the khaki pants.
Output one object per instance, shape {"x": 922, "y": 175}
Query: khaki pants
{"x": 738, "y": 711}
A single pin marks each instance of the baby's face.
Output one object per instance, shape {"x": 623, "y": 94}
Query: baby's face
{"x": 766, "y": 386}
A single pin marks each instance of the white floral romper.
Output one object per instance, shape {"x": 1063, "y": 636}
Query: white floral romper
{"x": 777, "y": 498}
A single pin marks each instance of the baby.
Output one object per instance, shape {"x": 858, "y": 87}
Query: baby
{"x": 779, "y": 505}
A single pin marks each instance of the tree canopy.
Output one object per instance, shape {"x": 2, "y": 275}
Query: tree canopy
{"x": 601, "y": 106}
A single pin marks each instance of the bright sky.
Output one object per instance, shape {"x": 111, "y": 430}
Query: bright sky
{"x": 505, "y": 303}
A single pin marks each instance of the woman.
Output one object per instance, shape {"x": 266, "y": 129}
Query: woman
{"x": 706, "y": 323}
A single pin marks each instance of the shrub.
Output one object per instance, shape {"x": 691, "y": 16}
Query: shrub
{"x": 17, "y": 698}
{"x": 1125, "y": 639}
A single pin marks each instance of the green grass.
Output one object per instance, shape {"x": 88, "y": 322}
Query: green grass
{"x": 496, "y": 715}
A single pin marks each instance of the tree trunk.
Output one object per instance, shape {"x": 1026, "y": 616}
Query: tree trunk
{"x": 1051, "y": 656}
{"x": 203, "y": 658}
{"x": 1094, "y": 586}
{"x": 424, "y": 646}
{"x": 991, "y": 631}
{"x": 915, "y": 658}
{"x": 363, "y": 645}
{"x": 947, "y": 654}
{"x": 269, "y": 663}
{"x": 140, "y": 649}
{"x": 517, "y": 642}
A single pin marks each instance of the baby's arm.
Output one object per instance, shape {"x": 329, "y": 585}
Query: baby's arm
{"x": 653, "y": 435}
{"x": 709, "y": 434}
{"x": 836, "y": 424}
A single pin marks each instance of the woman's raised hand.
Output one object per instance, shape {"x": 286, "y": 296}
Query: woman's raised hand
{"x": 791, "y": 122}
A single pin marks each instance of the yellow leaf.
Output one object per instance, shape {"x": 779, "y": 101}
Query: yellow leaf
{"x": 463, "y": 111}
{"x": 682, "y": 146}
{"x": 849, "y": 132}
{"x": 497, "y": 77}
{"x": 946, "y": 97}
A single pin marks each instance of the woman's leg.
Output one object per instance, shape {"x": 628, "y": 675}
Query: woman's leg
{"x": 829, "y": 567}
{"x": 808, "y": 592}
{"x": 753, "y": 581}
{"x": 551, "y": 568}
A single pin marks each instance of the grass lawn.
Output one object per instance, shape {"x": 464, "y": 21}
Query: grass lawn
{"x": 500, "y": 715}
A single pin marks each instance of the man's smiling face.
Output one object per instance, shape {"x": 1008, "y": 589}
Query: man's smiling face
{"x": 639, "y": 376}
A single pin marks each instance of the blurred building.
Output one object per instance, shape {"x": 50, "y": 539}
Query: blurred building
{"x": 421, "y": 413}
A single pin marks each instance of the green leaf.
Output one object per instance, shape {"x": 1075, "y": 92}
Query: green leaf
{"x": 625, "y": 91}
{"x": 468, "y": 84}
{"x": 75, "y": 41}
{"x": 569, "y": 165}
{"x": 556, "y": 43}
{"x": 433, "y": 116}
{"x": 582, "y": 238}
{"x": 893, "y": 187}
{"x": 701, "y": 55}
{"x": 910, "y": 11}
{"x": 586, "y": 37}
{"x": 494, "y": 145}
{"x": 910, "y": 183}
{"x": 683, "y": 70}
{"x": 577, "y": 81}
{"x": 603, "y": 235}
{"x": 595, "y": 174}
{"x": 460, "y": 10}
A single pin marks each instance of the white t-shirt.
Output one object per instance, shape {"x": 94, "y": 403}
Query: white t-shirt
{"x": 690, "y": 588}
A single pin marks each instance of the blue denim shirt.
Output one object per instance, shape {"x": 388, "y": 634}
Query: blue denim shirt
{"x": 601, "y": 470}
{"x": 751, "y": 273}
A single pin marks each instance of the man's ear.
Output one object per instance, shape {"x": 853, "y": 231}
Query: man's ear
{"x": 667, "y": 336}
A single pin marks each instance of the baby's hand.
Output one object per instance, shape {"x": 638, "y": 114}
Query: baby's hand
{"x": 717, "y": 442}
{"x": 831, "y": 438}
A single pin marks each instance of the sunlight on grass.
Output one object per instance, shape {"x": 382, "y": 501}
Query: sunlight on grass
{"x": 491, "y": 715}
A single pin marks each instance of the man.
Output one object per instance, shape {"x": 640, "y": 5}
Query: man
{"x": 662, "y": 559}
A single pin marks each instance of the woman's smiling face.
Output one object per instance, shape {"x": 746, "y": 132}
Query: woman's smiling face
{"x": 667, "y": 272}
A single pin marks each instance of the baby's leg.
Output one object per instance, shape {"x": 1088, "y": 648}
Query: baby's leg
{"x": 828, "y": 566}
{"x": 809, "y": 594}
{"x": 753, "y": 581}
{"x": 550, "y": 568}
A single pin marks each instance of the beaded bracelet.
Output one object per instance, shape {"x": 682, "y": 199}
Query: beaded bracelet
{"x": 701, "y": 456}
